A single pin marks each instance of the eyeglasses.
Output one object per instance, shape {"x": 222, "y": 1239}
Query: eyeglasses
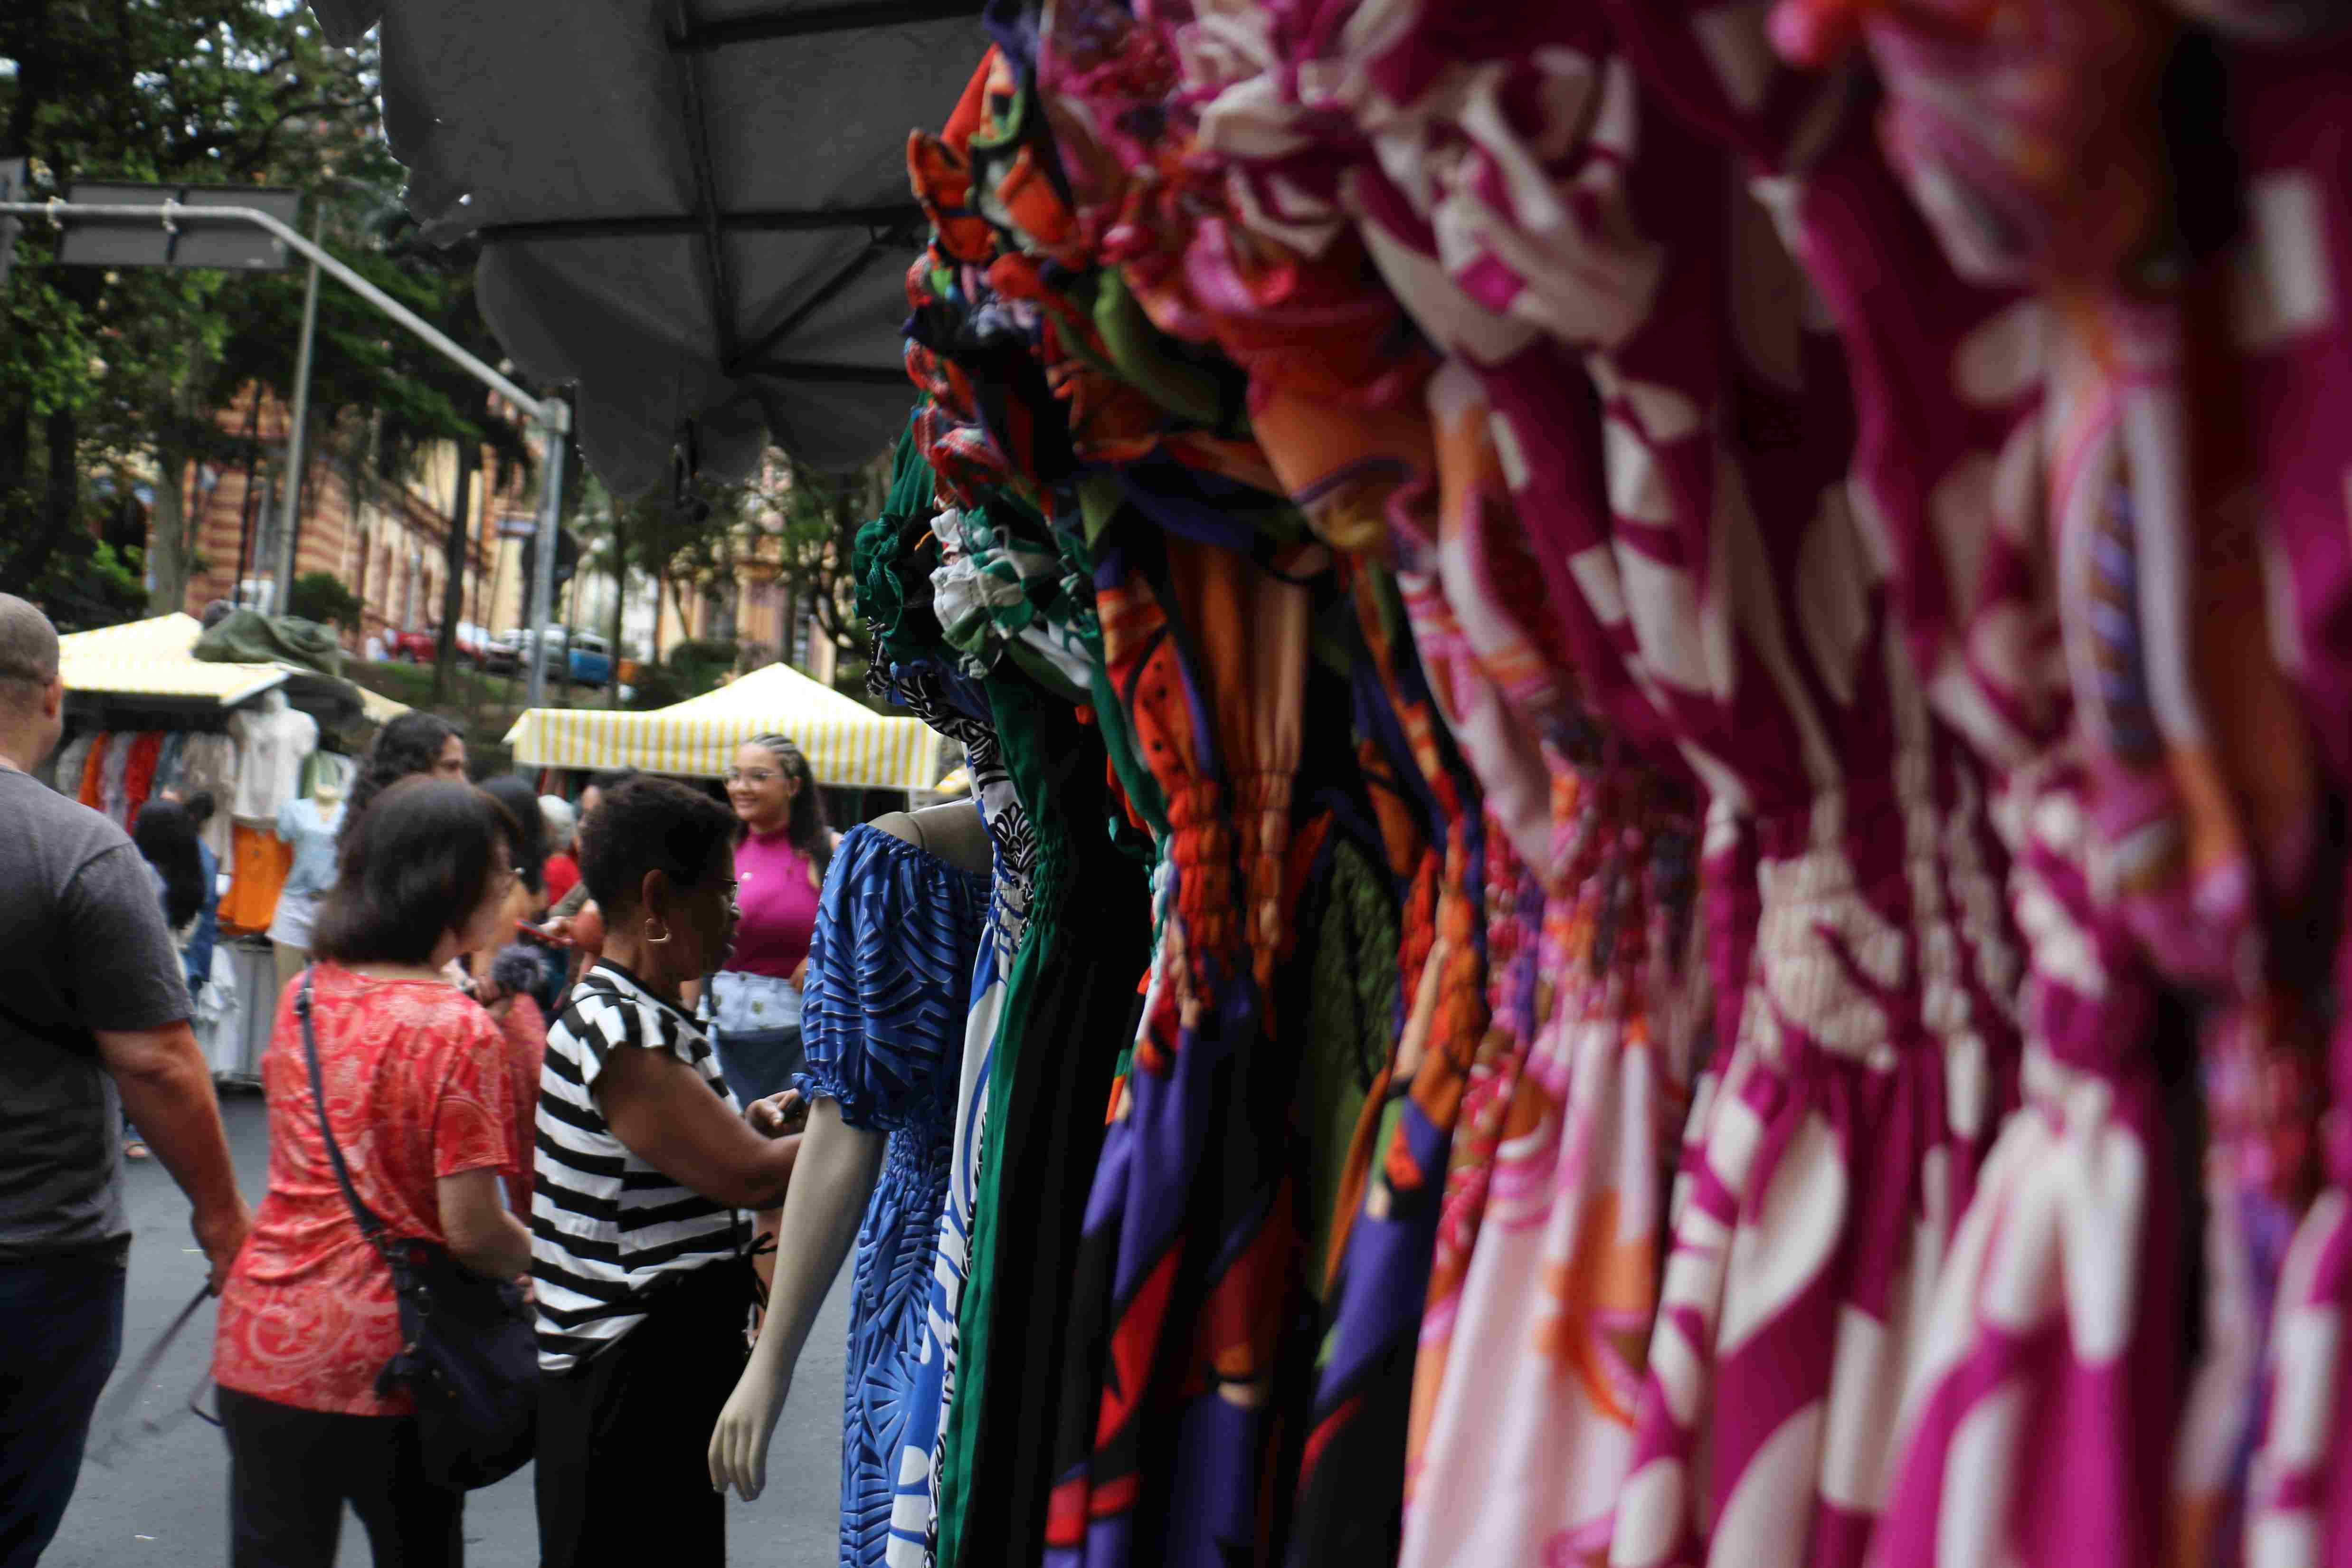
{"x": 756, "y": 775}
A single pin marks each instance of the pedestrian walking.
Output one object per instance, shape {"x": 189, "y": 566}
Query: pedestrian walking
{"x": 779, "y": 863}
{"x": 645, "y": 1164}
{"x": 166, "y": 840}
{"x": 93, "y": 1022}
{"x": 411, "y": 745}
{"x": 197, "y": 950}
{"x": 419, "y": 1097}
{"x": 563, "y": 864}
{"x": 573, "y": 920}
{"x": 528, "y": 902}
{"x": 517, "y": 982}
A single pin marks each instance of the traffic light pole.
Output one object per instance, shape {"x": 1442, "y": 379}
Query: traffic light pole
{"x": 552, "y": 414}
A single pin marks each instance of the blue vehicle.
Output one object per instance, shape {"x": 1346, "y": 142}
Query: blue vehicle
{"x": 578, "y": 659}
{"x": 589, "y": 662}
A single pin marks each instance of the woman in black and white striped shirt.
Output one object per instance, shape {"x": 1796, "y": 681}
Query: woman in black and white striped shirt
{"x": 645, "y": 1164}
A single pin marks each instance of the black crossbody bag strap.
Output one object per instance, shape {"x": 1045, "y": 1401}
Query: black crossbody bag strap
{"x": 370, "y": 1227}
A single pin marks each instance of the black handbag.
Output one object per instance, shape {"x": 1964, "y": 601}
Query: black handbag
{"x": 468, "y": 1355}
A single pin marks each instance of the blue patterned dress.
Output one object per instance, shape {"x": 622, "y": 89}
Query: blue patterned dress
{"x": 883, "y": 1016}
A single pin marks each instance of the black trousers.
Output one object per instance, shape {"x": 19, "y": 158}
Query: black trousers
{"x": 624, "y": 1472}
{"x": 290, "y": 1471}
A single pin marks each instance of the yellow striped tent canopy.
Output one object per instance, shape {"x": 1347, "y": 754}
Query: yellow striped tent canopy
{"x": 155, "y": 658}
{"x": 848, "y": 745}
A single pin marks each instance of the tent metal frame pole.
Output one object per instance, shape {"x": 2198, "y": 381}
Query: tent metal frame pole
{"x": 807, "y": 21}
{"x": 889, "y": 216}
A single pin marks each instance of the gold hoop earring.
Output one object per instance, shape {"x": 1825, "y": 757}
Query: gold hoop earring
{"x": 650, "y": 937}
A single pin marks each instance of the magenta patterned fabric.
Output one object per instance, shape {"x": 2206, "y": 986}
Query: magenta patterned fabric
{"x": 2052, "y": 1395}
{"x": 1681, "y": 421}
{"x": 2290, "y": 108}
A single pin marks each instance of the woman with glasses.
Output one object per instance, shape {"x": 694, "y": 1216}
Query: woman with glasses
{"x": 419, "y": 1096}
{"x": 644, "y": 1166}
{"x": 781, "y": 859}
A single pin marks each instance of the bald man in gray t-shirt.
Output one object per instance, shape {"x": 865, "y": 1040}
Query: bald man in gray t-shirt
{"x": 93, "y": 1022}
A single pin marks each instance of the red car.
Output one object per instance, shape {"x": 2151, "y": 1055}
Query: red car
{"x": 420, "y": 646}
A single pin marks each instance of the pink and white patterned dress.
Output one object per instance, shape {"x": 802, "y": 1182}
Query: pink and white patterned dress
{"x": 1675, "y": 421}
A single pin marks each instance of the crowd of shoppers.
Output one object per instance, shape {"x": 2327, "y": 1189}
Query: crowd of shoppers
{"x": 526, "y": 1076}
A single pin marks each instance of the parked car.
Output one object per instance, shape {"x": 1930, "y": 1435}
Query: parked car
{"x": 424, "y": 646}
{"x": 503, "y": 653}
{"x": 591, "y": 663}
{"x": 580, "y": 658}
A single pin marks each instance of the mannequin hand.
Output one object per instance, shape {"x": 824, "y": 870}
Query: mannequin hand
{"x": 739, "y": 1443}
{"x": 779, "y": 1113}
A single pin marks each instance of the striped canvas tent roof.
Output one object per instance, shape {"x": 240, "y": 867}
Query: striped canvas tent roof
{"x": 847, "y": 744}
{"x": 155, "y": 658}
{"x": 152, "y": 658}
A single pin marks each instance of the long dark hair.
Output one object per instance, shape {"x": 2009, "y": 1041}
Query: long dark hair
{"x": 530, "y": 845}
{"x": 168, "y": 840}
{"x": 407, "y": 746}
{"x": 806, "y": 827}
{"x": 417, "y": 865}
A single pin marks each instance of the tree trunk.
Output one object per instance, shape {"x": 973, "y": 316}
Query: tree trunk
{"x": 167, "y": 532}
{"x": 62, "y": 513}
{"x": 15, "y": 443}
{"x": 453, "y": 575}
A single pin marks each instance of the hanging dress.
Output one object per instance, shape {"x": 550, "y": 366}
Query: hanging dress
{"x": 883, "y": 1017}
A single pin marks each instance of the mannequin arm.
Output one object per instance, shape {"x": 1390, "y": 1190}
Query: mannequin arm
{"x": 823, "y": 1209}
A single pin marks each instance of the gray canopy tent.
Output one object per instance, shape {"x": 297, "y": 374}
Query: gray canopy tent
{"x": 695, "y": 210}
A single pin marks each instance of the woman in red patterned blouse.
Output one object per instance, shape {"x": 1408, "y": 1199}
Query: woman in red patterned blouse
{"x": 419, "y": 1092}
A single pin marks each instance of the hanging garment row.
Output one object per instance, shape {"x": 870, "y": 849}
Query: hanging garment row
{"x": 262, "y": 773}
{"x": 1664, "y": 701}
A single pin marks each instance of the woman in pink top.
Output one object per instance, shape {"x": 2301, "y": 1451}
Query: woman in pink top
{"x": 780, "y": 863}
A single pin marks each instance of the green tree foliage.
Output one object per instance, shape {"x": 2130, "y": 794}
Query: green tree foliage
{"x": 100, "y": 368}
{"x": 323, "y": 598}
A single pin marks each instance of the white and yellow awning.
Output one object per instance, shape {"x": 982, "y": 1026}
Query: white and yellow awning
{"x": 848, "y": 745}
{"x": 153, "y": 659}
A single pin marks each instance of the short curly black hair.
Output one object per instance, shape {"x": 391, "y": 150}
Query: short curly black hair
{"x": 650, "y": 824}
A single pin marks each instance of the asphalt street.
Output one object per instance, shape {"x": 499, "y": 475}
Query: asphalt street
{"x": 164, "y": 1500}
